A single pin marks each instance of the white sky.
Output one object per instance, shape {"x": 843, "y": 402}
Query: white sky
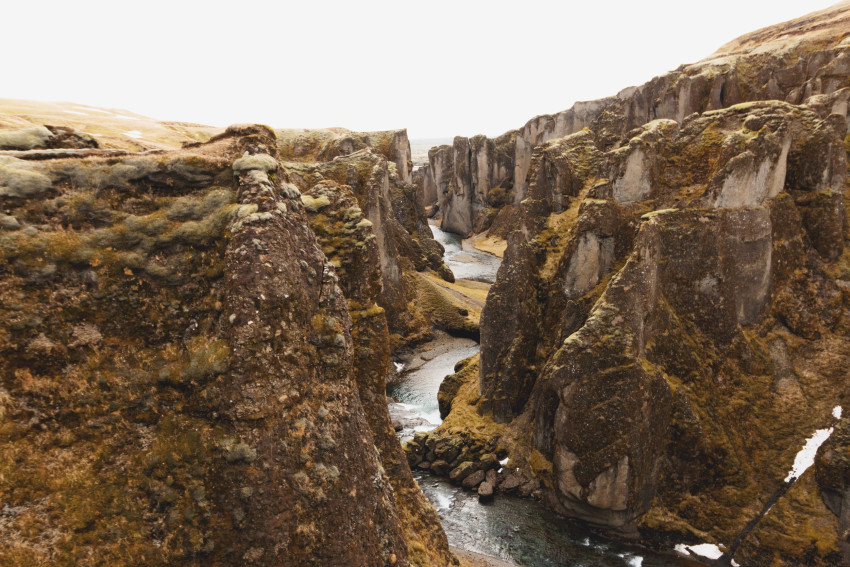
{"x": 439, "y": 68}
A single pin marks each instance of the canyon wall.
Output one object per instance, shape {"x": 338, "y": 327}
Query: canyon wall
{"x": 669, "y": 323}
{"x": 770, "y": 64}
{"x": 186, "y": 377}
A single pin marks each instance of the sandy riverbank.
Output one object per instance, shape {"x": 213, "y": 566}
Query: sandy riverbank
{"x": 472, "y": 559}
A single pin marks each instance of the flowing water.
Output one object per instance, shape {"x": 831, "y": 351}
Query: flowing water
{"x": 466, "y": 264}
{"x": 518, "y": 531}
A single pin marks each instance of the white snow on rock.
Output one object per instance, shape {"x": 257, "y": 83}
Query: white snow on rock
{"x": 806, "y": 457}
{"x": 133, "y": 134}
{"x": 704, "y": 550}
{"x": 708, "y": 550}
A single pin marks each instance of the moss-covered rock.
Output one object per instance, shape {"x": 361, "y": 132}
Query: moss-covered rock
{"x": 182, "y": 378}
{"x": 657, "y": 338}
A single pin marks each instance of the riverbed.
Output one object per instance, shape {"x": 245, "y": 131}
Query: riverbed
{"x": 518, "y": 531}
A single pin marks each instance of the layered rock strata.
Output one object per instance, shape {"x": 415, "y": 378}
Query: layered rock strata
{"x": 184, "y": 378}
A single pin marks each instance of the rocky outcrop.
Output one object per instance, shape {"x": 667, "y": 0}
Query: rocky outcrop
{"x": 668, "y": 324}
{"x": 45, "y": 137}
{"x": 325, "y": 145}
{"x": 183, "y": 377}
{"x": 472, "y": 178}
{"x": 423, "y": 180}
{"x": 405, "y": 243}
{"x": 790, "y": 62}
{"x": 348, "y": 240}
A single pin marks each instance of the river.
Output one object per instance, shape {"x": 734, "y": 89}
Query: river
{"x": 518, "y": 531}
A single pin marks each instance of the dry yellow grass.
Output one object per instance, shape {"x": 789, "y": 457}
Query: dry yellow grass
{"x": 112, "y": 128}
{"x": 491, "y": 244}
{"x": 467, "y": 294}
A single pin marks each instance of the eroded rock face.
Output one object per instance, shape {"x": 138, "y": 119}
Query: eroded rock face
{"x": 791, "y": 62}
{"x": 182, "y": 375}
{"x": 347, "y": 238}
{"x": 663, "y": 300}
{"x": 325, "y": 145}
{"x": 404, "y": 241}
{"x": 471, "y": 178}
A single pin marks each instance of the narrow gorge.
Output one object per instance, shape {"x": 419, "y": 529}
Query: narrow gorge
{"x": 200, "y": 328}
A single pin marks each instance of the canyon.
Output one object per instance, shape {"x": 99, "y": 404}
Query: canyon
{"x": 197, "y": 324}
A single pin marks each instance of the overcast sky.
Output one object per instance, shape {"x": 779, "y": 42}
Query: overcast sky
{"x": 438, "y": 68}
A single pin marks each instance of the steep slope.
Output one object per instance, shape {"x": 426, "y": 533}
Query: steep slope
{"x": 182, "y": 375}
{"x": 669, "y": 321}
{"x": 404, "y": 240}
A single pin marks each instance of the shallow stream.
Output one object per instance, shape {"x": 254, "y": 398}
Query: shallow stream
{"x": 517, "y": 531}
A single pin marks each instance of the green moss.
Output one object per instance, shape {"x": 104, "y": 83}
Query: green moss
{"x": 207, "y": 358}
{"x": 262, "y": 162}
{"x": 315, "y": 204}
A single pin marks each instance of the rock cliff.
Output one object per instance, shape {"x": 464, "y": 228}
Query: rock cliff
{"x": 186, "y": 377}
{"x": 790, "y": 62}
{"x": 669, "y": 323}
{"x": 392, "y": 206}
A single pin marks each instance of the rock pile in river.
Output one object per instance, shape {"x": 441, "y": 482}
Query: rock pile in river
{"x": 669, "y": 323}
{"x": 470, "y": 463}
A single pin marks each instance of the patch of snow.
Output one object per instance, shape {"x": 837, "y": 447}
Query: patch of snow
{"x": 836, "y": 412}
{"x": 133, "y": 134}
{"x": 398, "y": 366}
{"x": 504, "y": 461}
{"x": 806, "y": 457}
{"x": 75, "y": 112}
{"x": 125, "y": 117}
{"x": 93, "y": 110}
{"x": 704, "y": 549}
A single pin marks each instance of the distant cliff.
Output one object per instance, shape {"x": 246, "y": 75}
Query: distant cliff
{"x": 476, "y": 177}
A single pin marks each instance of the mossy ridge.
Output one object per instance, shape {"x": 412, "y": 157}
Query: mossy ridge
{"x": 161, "y": 397}
{"x": 443, "y": 309}
{"x": 130, "y": 242}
